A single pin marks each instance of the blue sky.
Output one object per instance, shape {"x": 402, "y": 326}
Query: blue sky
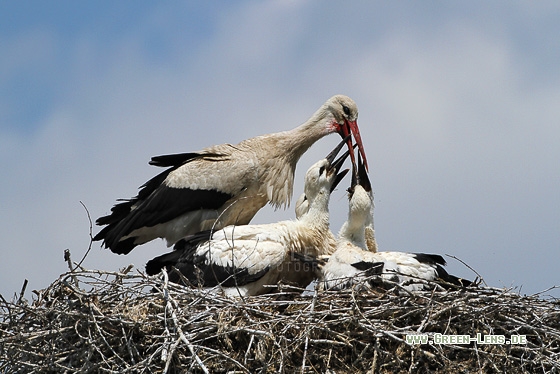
{"x": 458, "y": 112}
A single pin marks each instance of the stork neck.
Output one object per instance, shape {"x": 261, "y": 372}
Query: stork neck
{"x": 318, "y": 213}
{"x": 353, "y": 233}
{"x": 280, "y": 153}
{"x": 305, "y": 135}
{"x": 315, "y": 228}
{"x": 353, "y": 230}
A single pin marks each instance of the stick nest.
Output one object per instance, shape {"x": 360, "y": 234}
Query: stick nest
{"x": 96, "y": 321}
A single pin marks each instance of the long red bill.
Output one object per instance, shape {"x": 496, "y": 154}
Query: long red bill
{"x": 353, "y": 128}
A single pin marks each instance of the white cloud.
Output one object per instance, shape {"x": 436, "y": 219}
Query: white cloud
{"x": 463, "y": 150}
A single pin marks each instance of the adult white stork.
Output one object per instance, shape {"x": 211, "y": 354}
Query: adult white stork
{"x": 356, "y": 260}
{"x": 244, "y": 260}
{"x": 223, "y": 184}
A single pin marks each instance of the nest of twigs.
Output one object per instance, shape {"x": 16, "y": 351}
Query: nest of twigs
{"x": 97, "y": 321}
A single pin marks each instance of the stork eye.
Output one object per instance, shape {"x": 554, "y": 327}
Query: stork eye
{"x": 321, "y": 170}
{"x": 346, "y": 110}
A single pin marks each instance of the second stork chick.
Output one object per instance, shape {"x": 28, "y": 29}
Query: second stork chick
{"x": 356, "y": 260}
{"x": 247, "y": 260}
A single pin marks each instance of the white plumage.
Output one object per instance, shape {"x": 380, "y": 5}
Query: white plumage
{"x": 356, "y": 260}
{"x": 243, "y": 260}
{"x": 352, "y": 266}
{"x": 223, "y": 184}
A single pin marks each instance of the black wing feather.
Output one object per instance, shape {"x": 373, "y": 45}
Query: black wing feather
{"x": 178, "y": 159}
{"x": 370, "y": 268}
{"x": 199, "y": 270}
{"x": 163, "y": 205}
{"x": 189, "y": 243}
{"x": 452, "y": 279}
{"x": 429, "y": 259}
{"x": 204, "y": 274}
{"x": 442, "y": 274}
{"x": 121, "y": 210}
{"x": 155, "y": 203}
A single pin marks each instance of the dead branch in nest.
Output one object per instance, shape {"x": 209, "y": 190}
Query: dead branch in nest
{"x": 98, "y": 321}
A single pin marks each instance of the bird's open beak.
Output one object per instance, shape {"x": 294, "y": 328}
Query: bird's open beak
{"x": 360, "y": 176}
{"x": 351, "y": 127}
{"x": 336, "y": 165}
{"x": 339, "y": 177}
{"x": 331, "y": 156}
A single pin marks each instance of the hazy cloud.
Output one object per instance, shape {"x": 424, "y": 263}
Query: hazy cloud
{"x": 458, "y": 112}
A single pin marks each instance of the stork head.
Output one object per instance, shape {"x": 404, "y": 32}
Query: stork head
{"x": 324, "y": 176}
{"x": 302, "y": 203}
{"x": 345, "y": 113}
{"x": 360, "y": 195}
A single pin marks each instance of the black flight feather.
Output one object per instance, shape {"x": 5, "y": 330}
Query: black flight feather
{"x": 179, "y": 159}
{"x": 155, "y": 203}
{"x": 429, "y": 259}
{"x": 370, "y": 268}
{"x": 199, "y": 270}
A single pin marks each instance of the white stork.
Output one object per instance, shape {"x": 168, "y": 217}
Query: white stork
{"x": 244, "y": 260}
{"x": 356, "y": 259}
{"x": 223, "y": 184}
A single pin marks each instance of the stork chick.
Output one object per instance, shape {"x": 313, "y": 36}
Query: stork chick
{"x": 244, "y": 260}
{"x": 354, "y": 262}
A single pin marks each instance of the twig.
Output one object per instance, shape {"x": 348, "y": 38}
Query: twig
{"x": 314, "y": 300}
{"x": 171, "y": 305}
{"x": 467, "y": 265}
{"x": 68, "y": 259}
{"x": 90, "y": 236}
{"x": 22, "y": 292}
{"x": 114, "y": 322}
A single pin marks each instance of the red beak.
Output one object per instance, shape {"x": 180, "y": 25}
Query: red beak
{"x": 351, "y": 127}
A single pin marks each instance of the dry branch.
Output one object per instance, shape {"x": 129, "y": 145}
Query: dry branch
{"x": 96, "y": 321}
